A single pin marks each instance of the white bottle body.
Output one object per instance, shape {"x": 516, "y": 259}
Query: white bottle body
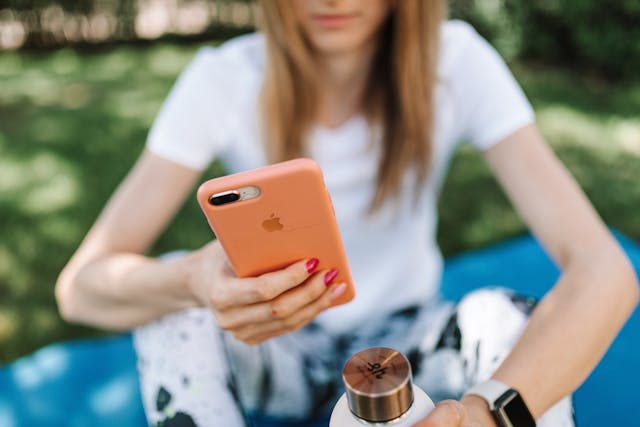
{"x": 422, "y": 405}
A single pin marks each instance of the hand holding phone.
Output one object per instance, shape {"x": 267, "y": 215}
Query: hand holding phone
{"x": 271, "y": 217}
{"x": 277, "y": 228}
{"x": 255, "y": 309}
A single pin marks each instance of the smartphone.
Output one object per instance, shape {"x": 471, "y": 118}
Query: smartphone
{"x": 270, "y": 217}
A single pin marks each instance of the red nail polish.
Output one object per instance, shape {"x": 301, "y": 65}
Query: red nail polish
{"x": 330, "y": 276}
{"x": 311, "y": 265}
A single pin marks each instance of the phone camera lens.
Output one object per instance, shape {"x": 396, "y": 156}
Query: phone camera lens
{"x": 224, "y": 198}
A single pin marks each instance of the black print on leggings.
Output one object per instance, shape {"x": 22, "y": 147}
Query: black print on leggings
{"x": 180, "y": 419}
{"x": 524, "y": 304}
{"x": 451, "y": 336}
{"x": 162, "y": 398}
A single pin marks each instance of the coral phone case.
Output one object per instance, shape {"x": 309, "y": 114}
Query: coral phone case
{"x": 291, "y": 219}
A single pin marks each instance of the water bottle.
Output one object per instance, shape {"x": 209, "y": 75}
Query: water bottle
{"x": 379, "y": 391}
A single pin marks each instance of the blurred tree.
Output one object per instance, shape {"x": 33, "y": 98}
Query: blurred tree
{"x": 51, "y": 23}
{"x": 604, "y": 35}
{"x": 593, "y": 35}
{"x": 126, "y": 13}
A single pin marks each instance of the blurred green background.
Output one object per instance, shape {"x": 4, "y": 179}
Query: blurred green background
{"x": 80, "y": 83}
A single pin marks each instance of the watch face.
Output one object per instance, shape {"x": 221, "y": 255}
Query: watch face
{"x": 512, "y": 410}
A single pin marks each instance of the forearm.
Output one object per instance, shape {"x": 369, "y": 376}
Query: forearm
{"x": 121, "y": 291}
{"x": 570, "y": 329}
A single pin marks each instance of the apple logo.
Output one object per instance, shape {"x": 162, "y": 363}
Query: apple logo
{"x": 272, "y": 224}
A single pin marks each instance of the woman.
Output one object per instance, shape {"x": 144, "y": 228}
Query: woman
{"x": 379, "y": 93}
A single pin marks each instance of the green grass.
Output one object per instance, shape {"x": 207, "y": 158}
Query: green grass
{"x": 73, "y": 123}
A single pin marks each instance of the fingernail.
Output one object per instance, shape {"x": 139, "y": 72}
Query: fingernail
{"x": 338, "y": 290}
{"x": 312, "y": 264}
{"x": 330, "y": 276}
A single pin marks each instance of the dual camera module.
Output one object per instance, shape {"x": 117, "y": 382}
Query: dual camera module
{"x": 231, "y": 196}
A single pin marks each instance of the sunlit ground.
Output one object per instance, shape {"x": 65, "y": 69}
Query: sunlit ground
{"x": 72, "y": 124}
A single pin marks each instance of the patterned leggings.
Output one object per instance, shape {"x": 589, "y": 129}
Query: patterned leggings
{"x": 194, "y": 374}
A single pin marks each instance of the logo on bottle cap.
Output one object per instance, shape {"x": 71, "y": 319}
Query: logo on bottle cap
{"x": 378, "y": 384}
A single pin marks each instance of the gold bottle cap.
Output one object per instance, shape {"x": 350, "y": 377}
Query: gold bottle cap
{"x": 378, "y": 384}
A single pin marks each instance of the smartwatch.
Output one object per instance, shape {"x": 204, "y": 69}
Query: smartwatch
{"x": 506, "y": 404}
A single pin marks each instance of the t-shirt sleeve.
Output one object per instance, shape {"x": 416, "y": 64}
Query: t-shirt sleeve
{"x": 192, "y": 125}
{"x": 491, "y": 103}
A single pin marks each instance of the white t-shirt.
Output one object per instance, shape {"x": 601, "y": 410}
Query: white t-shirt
{"x": 212, "y": 112}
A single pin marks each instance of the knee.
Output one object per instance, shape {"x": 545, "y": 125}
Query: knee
{"x": 491, "y": 311}
{"x": 482, "y": 300}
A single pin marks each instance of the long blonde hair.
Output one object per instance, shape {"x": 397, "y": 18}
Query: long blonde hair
{"x": 399, "y": 94}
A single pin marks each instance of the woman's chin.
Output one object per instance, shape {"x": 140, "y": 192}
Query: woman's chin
{"x": 337, "y": 44}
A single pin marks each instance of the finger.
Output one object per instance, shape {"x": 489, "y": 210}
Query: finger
{"x": 295, "y": 299}
{"x": 295, "y": 321}
{"x": 244, "y": 291}
{"x": 260, "y": 332}
{"x": 309, "y": 312}
{"x": 281, "y": 307}
{"x": 448, "y": 413}
{"x": 263, "y": 338}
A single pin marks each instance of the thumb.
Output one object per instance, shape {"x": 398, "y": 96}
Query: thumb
{"x": 448, "y": 413}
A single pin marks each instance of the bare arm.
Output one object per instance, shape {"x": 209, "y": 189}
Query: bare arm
{"x": 575, "y": 323}
{"x": 108, "y": 282}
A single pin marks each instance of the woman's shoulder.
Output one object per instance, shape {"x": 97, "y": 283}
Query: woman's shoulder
{"x": 456, "y": 30}
{"x": 464, "y": 53}
{"x": 211, "y": 98}
{"x": 248, "y": 50}
{"x": 488, "y": 100}
{"x": 239, "y": 58}
{"x": 457, "y": 38}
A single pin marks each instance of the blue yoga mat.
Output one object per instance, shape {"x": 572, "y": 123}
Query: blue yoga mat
{"x": 94, "y": 383}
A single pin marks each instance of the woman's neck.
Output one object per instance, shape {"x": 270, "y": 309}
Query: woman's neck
{"x": 342, "y": 81}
